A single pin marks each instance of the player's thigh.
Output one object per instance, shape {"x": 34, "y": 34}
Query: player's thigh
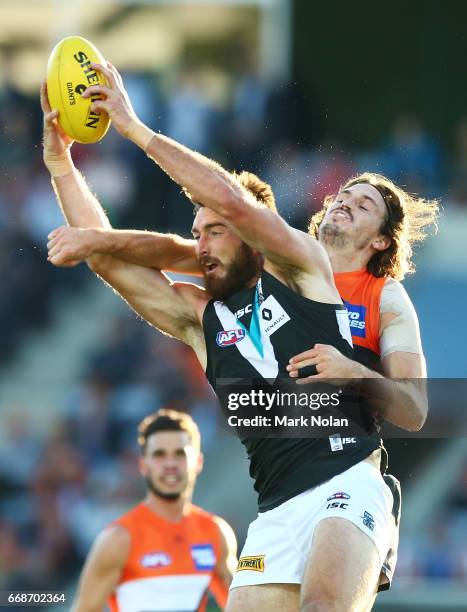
{"x": 342, "y": 570}
{"x": 264, "y": 598}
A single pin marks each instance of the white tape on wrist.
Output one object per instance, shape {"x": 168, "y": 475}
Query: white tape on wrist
{"x": 139, "y": 133}
{"x": 59, "y": 165}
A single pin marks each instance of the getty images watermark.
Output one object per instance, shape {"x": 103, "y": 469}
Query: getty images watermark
{"x": 267, "y": 400}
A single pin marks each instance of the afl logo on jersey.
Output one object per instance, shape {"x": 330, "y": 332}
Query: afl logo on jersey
{"x": 156, "y": 559}
{"x": 229, "y": 336}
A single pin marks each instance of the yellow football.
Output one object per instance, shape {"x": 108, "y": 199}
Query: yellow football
{"x": 69, "y": 73}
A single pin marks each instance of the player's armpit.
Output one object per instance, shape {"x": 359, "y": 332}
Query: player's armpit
{"x": 102, "y": 569}
{"x": 174, "y": 308}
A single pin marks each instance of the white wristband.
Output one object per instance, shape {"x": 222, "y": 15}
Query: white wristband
{"x": 59, "y": 165}
{"x": 139, "y": 133}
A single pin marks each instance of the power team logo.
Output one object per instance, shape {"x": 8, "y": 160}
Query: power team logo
{"x": 228, "y": 337}
{"x": 357, "y": 319}
{"x": 255, "y": 564}
{"x": 156, "y": 559}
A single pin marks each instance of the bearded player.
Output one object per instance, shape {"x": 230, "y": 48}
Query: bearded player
{"x": 288, "y": 267}
{"x": 165, "y": 553}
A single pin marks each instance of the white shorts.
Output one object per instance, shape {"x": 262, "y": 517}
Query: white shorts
{"x": 279, "y": 540}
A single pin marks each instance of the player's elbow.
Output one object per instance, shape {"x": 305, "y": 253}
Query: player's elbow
{"x": 417, "y": 418}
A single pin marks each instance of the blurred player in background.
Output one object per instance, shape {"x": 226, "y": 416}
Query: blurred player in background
{"x": 333, "y": 539}
{"x": 165, "y": 553}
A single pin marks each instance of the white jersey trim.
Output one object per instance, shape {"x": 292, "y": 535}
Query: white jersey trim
{"x": 162, "y": 593}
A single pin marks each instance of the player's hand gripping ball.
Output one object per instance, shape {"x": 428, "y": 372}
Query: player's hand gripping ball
{"x": 69, "y": 73}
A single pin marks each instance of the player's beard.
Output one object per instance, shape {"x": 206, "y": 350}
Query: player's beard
{"x": 162, "y": 494}
{"x": 238, "y": 273}
{"x": 331, "y": 235}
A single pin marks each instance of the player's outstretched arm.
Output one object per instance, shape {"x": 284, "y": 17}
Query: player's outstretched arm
{"x": 102, "y": 570}
{"x": 211, "y": 185}
{"x": 151, "y": 249}
{"x": 173, "y": 308}
{"x": 81, "y": 208}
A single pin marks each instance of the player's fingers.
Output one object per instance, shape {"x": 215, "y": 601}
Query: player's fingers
{"x": 44, "y": 99}
{"x": 54, "y": 250}
{"x": 101, "y": 105}
{"x": 71, "y": 263}
{"x": 115, "y": 73}
{"x": 57, "y": 231}
{"x": 109, "y": 75}
{"x": 301, "y": 356}
{"x": 49, "y": 117}
{"x": 302, "y": 364}
{"x": 97, "y": 89}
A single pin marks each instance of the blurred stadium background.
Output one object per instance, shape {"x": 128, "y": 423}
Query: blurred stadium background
{"x": 302, "y": 93}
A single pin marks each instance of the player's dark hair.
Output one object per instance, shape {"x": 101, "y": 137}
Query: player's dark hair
{"x": 167, "y": 419}
{"x": 262, "y": 191}
{"x": 404, "y": 223}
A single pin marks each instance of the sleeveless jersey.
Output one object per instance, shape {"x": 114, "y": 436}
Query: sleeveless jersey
{"x": 252, "y": 335}
{"x": 361, "y": 293}
{"x": 170, "y": 565}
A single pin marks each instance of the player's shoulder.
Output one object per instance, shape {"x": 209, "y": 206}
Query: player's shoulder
{"x": 196, "y": 513}
{"x": 112, "y": 545}
{"x": 395, "y": 294}
{"x": 204, "y": 518}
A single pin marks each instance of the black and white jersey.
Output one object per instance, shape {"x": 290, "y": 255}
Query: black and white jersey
{"x": 252, "y": 335}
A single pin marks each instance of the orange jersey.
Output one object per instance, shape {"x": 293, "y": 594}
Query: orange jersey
{"x": 171, "y": 566}
{"x": 361, "y": 293}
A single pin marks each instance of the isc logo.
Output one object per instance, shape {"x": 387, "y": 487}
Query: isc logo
{"x": 242, "y": 311}
{"x": 229, "y": 336}
{"x": 342, "y": 505}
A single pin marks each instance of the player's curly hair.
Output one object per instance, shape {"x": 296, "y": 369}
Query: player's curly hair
{"x": 167, "y": 419}
{"x": 405, "y": 223}
{"x": 261, "y": 190}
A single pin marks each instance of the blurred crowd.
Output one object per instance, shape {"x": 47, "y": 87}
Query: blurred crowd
{"x": 58, "y": 490}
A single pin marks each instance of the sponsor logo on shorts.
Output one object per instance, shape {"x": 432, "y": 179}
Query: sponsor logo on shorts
{"x": 339, "y": 495}
{"x": 203, "y": 556}
{"x": 336, "y": 504}
{"x": 357, "y": 319}
{"x": 255, "y": 564}
{"x": 229, "y": 336}
{"x": 368, "y": 520}
{"x": 156, "y": 559}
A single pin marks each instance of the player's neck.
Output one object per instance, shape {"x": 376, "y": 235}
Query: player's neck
{"x": 172, "y": 511}
{"x": 346, "y": 260}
